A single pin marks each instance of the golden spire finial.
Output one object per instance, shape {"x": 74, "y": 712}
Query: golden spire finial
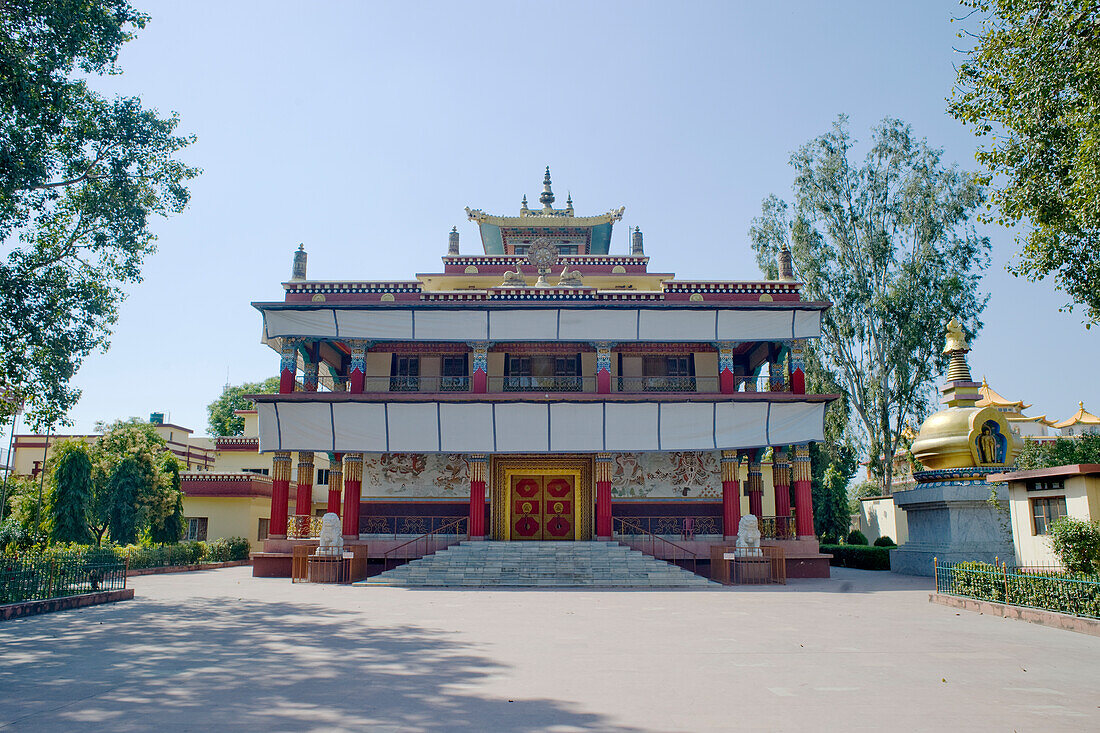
{"x": 956, "y": 339}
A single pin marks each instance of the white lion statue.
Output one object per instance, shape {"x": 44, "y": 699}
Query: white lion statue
{"x": 332, "y": 542}
{"x": 748, "y": 536}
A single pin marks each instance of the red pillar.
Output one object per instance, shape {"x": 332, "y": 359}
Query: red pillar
{"x": 357, "y": 368}
{"x": 798, "y": 364}
{"x": 303, "y": 505}
{"x": 603, "y": 496}
{"x": 477, "y": 496}
{"x": 781, "y": 482}
{"x": 803, "y": 495}
{"x": 335, "y": 482}
{"x": 479, "y": 379}
{"x": 731, "y": 494}
{"x": 726, "y": 381}
{"x": 755, "y": 488}
{"x": 288, "y": 365}
{"x": 280, "y": 494}
{"x": 603, "y": 370}
{"x": 353, "y": 485}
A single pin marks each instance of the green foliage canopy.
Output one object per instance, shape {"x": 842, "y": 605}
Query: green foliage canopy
{"x": 69, "y": 502}
{"x": 1030, "y": 90}
{"x": 222, "y": 421}
{"x": 890, "y": 245}
{"x": 80, "y": 177}
{"x": 1059, "y": 452}
{"x": 1076, "y": 543}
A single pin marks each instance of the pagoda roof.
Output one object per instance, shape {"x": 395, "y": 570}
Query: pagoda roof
{"x": 992, "y": 398}
{"x": 1081, "y": 417}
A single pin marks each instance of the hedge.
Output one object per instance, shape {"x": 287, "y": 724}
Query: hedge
{"x": 142, "y": 556}
{"x": 861, "y": 557}
{"x": 1072, "y": 593}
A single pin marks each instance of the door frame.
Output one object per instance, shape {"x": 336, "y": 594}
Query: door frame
{"x": 501, "y": 468}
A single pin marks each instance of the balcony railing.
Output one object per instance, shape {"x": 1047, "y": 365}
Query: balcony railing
{"x": 541, "y": 384}
{"x": 429, "y": 384}
{"x": 657, "y": 384}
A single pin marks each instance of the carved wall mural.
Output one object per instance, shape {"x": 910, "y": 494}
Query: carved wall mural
{"x": 416, "y": 475}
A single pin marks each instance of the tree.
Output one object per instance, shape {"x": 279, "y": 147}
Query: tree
{"x": 1030, "y": 90}
{"x": 888, "y": 243}
{"x": 222, "y": 420}
{"x": 834, "y": 461}
{"x": 1059, "y": 452}
{"x": 128, "y": 485}
{"x": 80, "y": 177}
{"x": 167, "y": 526}
{"x": 130, "y": 492}
{"x": 70, "y": 498}
{"x": 1076, "y": 543}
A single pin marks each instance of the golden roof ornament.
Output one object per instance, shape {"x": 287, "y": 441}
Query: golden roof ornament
{"x": 956, "y": 339}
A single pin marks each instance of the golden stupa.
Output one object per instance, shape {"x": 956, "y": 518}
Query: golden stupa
{"x": 964, "y": 436}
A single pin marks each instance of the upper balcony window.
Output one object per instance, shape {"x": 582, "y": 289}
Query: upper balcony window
{"x": 542, "y": 374}
{"x": 405, "y": 374}
{"x": 662, "y": 373}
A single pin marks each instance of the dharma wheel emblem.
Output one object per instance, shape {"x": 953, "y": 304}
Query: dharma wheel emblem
{"x": 542, "y": 254}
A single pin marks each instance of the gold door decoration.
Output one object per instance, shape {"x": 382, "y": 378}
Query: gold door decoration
{"x": 554, "y": 493}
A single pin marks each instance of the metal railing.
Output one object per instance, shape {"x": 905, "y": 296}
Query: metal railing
{"x": 426, "y": 544}
{"x": 429, "y": 384}
{"x": 1043, "y": 588}
{"x": 657, "y": 384}
{"x": 39, "y": 578}
{"x": 542, "y": 384}
{"x": 379, "y": 527}
{"x": 635, "y": 537}
{"x": 686, "y": 528}
{"x": 777, "y": 528}
{"x": 303, "y": 527}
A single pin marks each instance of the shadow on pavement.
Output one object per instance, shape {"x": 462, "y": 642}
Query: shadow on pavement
{"x": 212, "y": 663}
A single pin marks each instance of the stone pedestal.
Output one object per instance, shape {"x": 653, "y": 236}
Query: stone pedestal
{"x": 954, "y": 522}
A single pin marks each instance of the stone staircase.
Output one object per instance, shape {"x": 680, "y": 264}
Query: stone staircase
{"x": 540, "y": 564}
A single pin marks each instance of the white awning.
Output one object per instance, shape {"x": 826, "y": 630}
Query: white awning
{"x": 618, "y": 325}
{"x": 536, "y": 427}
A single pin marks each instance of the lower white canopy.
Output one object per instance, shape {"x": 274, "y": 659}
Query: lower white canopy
{"x": 535, "y": 427}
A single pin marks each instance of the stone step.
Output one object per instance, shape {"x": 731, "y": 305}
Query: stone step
{"x": 535, "y": 564}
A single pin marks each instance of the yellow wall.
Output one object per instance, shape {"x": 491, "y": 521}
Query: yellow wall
{"x": 229, "y": 516}
{"x": 879, "y": 517}
{"x": 1082, "y": 501}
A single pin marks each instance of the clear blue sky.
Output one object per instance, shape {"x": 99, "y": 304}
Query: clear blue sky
{"x": 363, "y": 129}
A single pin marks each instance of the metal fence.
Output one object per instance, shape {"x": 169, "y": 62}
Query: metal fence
{"x": 1045, "y": 588}
{"x": 396, "y": 526}
{"x": 38, "y": 578}
{"x": 686, "y": 528}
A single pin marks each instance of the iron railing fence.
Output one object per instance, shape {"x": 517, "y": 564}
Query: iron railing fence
{"x": 397, "y": 526}
{"x": 429, "y": 384}
{"x": 303, "y": 526}
{"x": 777, "y": 528}
{"x": 570, "y": 383}
{"x": 42, "y": 578}
{"x": 657, "y": 384}
{"x": 1049, "y": 589}
{"x": 683, "y": 527}
{"x": 428, "y": 543}
{"x": 634, "y": 536}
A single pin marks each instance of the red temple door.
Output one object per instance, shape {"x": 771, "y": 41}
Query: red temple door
{"x": 542, "y": 507}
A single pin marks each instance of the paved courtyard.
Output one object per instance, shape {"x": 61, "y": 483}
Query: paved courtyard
{"x": 221, "y": 650}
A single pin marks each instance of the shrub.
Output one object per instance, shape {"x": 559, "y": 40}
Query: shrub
{"x": 1077, "y": 544}
{"x": 1062, "y": 592}
{"x": 239, "y": 548}
{"x": 12, "y": 534}
{"x": 218, "y": 550}
{"x": 860, "y": 557}
{"x": 855, "y": 537}
{"x": 827, "y": 538}
{"x": 885, "y": 541}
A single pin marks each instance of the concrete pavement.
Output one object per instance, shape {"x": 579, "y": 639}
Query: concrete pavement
{"x": 221, "y": 650}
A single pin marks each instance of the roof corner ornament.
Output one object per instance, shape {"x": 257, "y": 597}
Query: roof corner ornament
{"x": 474, "y": 214}
{"x": 569, "y": 204}
{"x": 523, "y": 210}
{"x": 452, "y": 241}
{"x": 786, "y": 265}
{"x": 636, "y": 243}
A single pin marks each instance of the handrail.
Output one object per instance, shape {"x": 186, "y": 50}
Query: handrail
{"x": 440, "y": 530}
{"x": 689, "y": 555}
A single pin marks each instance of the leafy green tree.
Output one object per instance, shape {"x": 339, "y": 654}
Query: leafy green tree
{"x": 128, "y": 499}
{"x": 889, "y": 244}
{"x": 222, "y": 420}
{"x": 80, "y": 177}
{"x": 129, "y": 485}
{"x": 167, "y": 524}
{"x": 69, "y": 501}
{"x": 1059, "y": 452}
{"x": 1030, "y": 90}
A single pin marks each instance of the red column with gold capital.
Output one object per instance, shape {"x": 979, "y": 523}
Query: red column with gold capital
{"x": 603, "y": 369}
{"x": 353, "y": 486}
{"x": 781, "y": 482}
{"x": 755, "y": 488}
{"x": 280, "y": 494}
{"x": 335, "y": 482}
{"x": 727, "y": 383}
{"x": 603, "y": 496}
{"x": 479, "y": 371}
{"x": 803, "y": 494}
{"x": 798, "y": 367}
{"x": 288, "y": 365}
{"x": 303, "y": 504}
{"x": 477, "y": 463}
{"x": 357, "y": 367}
{"x": 731, "y": 493}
